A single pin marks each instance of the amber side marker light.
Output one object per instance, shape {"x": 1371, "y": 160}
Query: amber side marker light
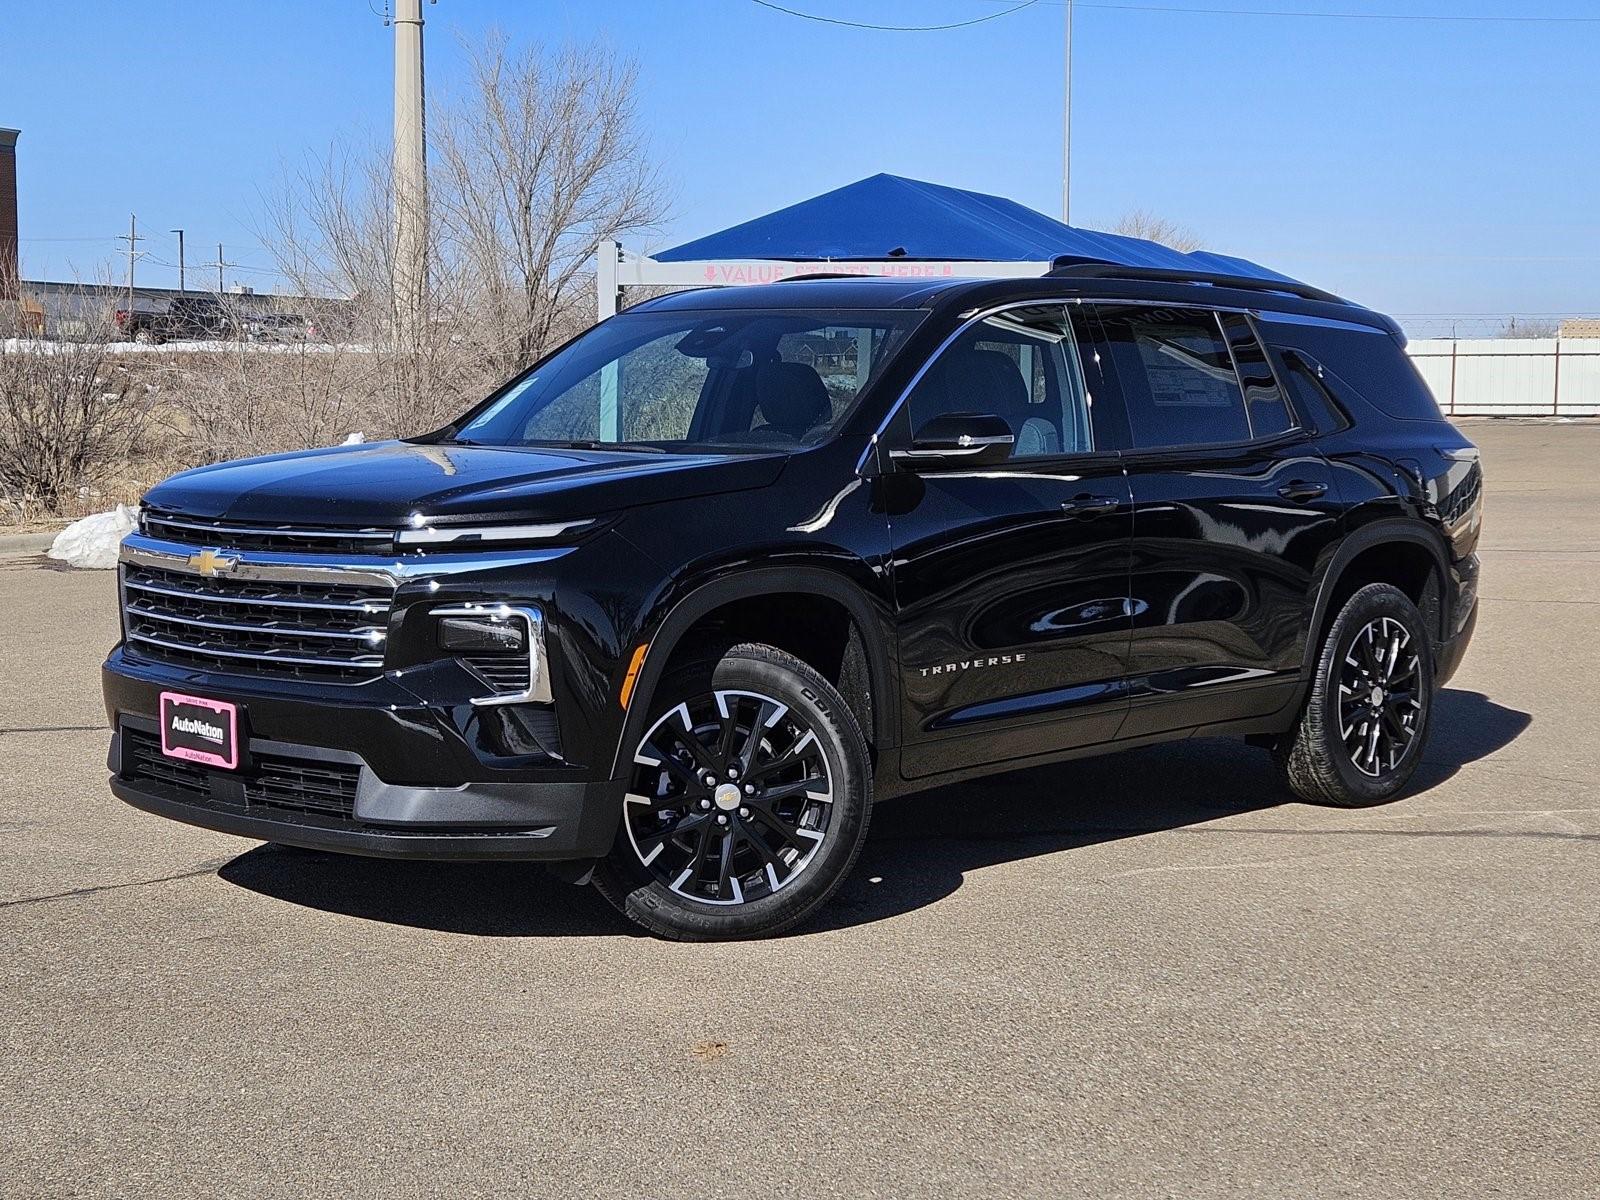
{"x": 632, "y": 676}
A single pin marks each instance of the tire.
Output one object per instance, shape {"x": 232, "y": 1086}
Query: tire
{"x": 760, "y": 849}
{"x": 1365, "y": 724}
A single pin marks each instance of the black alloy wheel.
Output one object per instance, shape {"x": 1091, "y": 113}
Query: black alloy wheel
{"x": 747, "y": 804}
{"x": 1379, "y": 700}
{"x": 1365, "y": 723}
{"x": 731, "y": 797}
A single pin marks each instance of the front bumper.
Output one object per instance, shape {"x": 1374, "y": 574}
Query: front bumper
{"x": 316, "y": 772}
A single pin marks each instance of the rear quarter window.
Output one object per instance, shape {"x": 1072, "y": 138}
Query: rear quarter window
{"x": 1370, "y": 364}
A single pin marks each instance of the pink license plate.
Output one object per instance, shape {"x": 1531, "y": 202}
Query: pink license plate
{"x": 199, "y": 730}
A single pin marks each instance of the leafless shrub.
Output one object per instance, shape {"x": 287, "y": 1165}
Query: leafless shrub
{"x": 69, "y": 412}
{"x": 245, "y": 400}
{"x": 1143, "y": 224}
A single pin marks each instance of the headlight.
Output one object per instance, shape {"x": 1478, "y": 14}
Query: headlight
{"x": 466, "y": 536}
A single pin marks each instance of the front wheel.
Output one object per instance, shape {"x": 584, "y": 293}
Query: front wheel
{"x": 1365, "y": 722}
{"x": 750, "y": 798}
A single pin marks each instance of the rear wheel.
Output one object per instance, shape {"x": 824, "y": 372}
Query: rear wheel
{"x": 1365, "y": 723}
{"x": 750, "y": 798}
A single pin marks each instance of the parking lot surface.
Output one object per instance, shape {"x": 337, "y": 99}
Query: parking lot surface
{"x": 1144, "y": 975}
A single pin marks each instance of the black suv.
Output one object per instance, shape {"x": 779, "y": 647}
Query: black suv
{"x": 672, "y": 608}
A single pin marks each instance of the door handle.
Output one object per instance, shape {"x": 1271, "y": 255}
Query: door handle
{"x": 1302, "y": 490}
{"x": 1090, "y": 506}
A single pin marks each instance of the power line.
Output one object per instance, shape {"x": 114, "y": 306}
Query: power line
{"x": 795, "y": 12}
{"x": 1449, "y": 18}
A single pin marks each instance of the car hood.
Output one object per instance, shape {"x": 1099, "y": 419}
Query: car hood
{"x": 383, "y": 483}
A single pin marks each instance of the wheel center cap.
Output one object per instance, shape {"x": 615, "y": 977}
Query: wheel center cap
{"x": 1377, "y": 697}
{"x": 726, "y": 797}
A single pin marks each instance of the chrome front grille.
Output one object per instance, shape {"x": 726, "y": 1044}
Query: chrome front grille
{"x": 300, "y": 630}
{"x": 253, "y": 535}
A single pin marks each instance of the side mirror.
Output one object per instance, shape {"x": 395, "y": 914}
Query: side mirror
{"x": 958, "y": 439}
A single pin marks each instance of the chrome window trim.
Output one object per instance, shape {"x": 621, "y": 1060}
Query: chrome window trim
{"x": 538, "y": 691}
{"x": 983, "y": 314}
{"x": 977, "y": 315}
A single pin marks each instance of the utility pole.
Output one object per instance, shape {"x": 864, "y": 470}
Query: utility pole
{"x": 133, "y": 239}
{"x": 219, "y": 264}
{"x": 410, "y": 173}
{"x": 1066, "y": 130}
{"x": 179, "y": 232}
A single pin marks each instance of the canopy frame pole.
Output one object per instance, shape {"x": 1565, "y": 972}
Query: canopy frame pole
{"x": 617, "y": 269}
{"x": 607, "y": 289}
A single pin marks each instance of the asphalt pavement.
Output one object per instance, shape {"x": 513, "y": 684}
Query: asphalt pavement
{"x": 1144, "y": 975}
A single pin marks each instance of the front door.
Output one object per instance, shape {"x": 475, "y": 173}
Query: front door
{"x": 1011, "y": 580}
{"x": 1233, "y": 511}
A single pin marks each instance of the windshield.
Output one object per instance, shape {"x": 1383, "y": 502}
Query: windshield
{"x": 665, "y": 381}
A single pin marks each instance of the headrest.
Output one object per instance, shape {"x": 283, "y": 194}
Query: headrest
{"x": 791, "y": 396}
{"x": 971, "y": 380}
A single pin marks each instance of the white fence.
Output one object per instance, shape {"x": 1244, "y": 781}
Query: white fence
{"x": 1512, "y": 377}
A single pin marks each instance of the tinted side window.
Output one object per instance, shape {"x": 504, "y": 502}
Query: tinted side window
{"x": 1369, "y": 363}
{"x": 1304, "y": 378}
{"x": 1263, "y": 399}
{"x": 1175, "y": 374}
{"x": 1021, "y": 364}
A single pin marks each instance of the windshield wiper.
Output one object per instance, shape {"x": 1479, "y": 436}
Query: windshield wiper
{"x": 597, "y": 444}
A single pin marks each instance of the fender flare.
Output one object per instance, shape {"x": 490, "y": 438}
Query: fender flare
{"x": 1377, "y": 533}
{"x": 765, "y": 581}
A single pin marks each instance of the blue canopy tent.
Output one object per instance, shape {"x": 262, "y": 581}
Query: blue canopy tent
{"x": 887, "y": 224}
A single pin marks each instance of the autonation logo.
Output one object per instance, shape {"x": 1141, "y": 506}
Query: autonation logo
{"x": 211, "y": 733}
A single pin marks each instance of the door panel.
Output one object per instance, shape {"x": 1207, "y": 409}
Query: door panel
{"x": 1013, "y": 614}
{"x": 1228, "y": 539}
{"x": 1011, "y": 581}
{"x": 1223, "y": 580}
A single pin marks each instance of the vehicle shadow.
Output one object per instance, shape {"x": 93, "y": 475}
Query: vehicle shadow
{"x": 920, "y": 849}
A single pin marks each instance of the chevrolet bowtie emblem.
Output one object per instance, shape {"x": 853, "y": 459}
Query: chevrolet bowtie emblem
{"x": 209, "y": 563}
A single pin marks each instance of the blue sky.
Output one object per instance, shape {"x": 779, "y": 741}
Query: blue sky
{"x": 1442, "y": 167}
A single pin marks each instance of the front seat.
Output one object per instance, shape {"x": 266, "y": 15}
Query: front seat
{"x": 791, "y": 401}
{"x": 989, "y": 381}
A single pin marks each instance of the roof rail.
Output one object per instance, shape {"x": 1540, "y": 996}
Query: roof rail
{"x": 1093, "y": 270}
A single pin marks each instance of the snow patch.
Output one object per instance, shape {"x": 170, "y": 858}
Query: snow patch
{"x": 94, "y": 541}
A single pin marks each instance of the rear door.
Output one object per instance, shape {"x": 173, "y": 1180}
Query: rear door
{"x": 1233, "y": 511}
{"x": 1010, "y": 580}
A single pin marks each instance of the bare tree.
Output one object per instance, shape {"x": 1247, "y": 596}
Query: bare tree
{"x": 532, "y": 163}
{"x": 69, "y": 414}
{"x": 1141, "y": 223}
{"x": 539, "y": 160}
